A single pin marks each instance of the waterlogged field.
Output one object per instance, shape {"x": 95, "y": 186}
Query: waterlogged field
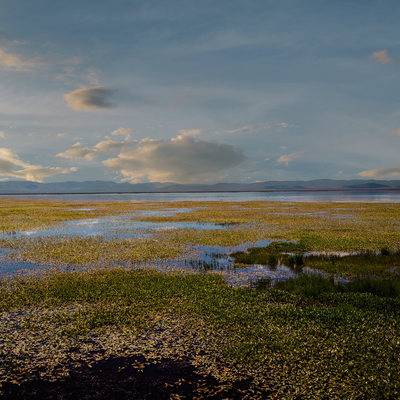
{"x": 199, "y": 299}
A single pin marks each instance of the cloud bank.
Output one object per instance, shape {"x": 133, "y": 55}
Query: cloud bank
{"x": 89, "y": 98}
{"x": 11, "y": 166}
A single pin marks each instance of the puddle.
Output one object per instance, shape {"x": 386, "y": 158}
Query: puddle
{"x": 218, "y": 259}
{"x": 116, "y": 227}
{"x": 9, "y": 266}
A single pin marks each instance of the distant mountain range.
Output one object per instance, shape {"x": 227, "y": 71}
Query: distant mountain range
{"x": 23, "y": 187}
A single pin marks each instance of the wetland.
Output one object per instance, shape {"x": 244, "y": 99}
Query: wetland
{"x": 199, "y": 298}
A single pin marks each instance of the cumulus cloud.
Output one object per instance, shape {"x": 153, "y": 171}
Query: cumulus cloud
{"x": 381, "y": 173}
{"x": 109, "y": 144}
{"x": 15, "y": 62}
{"x": 124, "y": 132}
{"x": 78, "y": 152}
{"x": 183, "y": 158}
{"x": 11, "y": 166}
{"x": 382, "y": 57}
{"x": 89, "y": 98}
{"x": 286, "y": 159}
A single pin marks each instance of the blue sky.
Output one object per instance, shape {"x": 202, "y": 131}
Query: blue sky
{"x": 199, "y": 91}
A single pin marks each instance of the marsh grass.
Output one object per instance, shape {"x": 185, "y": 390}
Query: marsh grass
{"x": 314, "y": 225}
{"x": 314, "y": 286}
{"x": 362, "y": 265}
{"x": 304, "y": 338}
{"x": 369, "y": 264}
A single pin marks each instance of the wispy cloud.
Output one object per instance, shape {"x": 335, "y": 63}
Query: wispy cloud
{"x": 14, "y": 61}
{"x": 11, "y": 166}
{"x": 381, "y": 173}
{"x": 396, "y": 131}
{"x": 2, "y": 135}
{"x": 286, "y": 159}
{"x": 250, "y": 128}
{"x": 89, "y": 98}
{"x": 124, "y": 132}
{"x": 382, "y": 56}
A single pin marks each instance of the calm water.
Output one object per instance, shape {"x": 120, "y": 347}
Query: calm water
{"x": 309, "y": 196}
{"x": 110, "y": 228}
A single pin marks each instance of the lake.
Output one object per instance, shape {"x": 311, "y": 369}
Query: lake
{"x": 295, "y": 196}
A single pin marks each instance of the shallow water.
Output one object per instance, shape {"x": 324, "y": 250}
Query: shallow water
{"x": 197, "y": 258}
{"x": 10, "y": 267}
{"x": 115, "y": 227}
{"x": 218, "y": 259}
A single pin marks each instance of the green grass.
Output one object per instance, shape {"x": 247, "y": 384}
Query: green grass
{"x": 382, "y": 264}
{"x": 304, "y": 338}
{"x": 362, "y": 265}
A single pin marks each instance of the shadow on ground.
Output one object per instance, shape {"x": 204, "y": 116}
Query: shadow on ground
{"x": 132, "y": 378}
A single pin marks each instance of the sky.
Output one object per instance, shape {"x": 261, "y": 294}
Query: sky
{"x": 199, "y": 91}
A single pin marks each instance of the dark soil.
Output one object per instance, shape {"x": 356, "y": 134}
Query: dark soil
{"x": 133, "y": 378}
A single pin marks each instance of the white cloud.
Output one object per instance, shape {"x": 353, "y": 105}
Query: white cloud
{"x": 15, "y": 62}
{"x": 183, "y": 158}
{"x": 2, "y": 135}
{"x": 124, "y": 132}
{"x": 382, "y": 57}
{"x": 11, "y": 166}
{"x": 78, "y": 152}
{"x": 109, "y": 144}
{"x": 286, "y": 159}
{"x": 89, "y": 98}
{"x": 381, "y": 173}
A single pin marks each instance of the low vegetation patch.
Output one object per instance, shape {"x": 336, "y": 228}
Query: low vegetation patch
{"x": 305, "y": 338}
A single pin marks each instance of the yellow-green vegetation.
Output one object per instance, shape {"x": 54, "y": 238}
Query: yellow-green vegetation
{"x": 21, "y": 214}
{"x": 302, "y": 340}
{"x": 318, "y": 226}
{"x": 92, "y": 251}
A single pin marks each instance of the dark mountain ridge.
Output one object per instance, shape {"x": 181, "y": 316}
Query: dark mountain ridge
{"x": 26, "y": 187}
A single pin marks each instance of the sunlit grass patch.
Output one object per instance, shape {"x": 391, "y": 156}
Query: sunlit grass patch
{"x": 82, "y": 251}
